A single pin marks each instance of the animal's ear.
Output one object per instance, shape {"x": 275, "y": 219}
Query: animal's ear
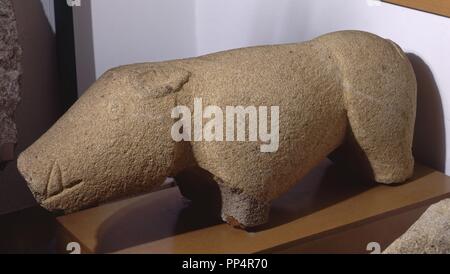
{"x": 160, "y": 81}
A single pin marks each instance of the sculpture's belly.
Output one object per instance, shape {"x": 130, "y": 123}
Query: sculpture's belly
{"x": 303, "y": 82}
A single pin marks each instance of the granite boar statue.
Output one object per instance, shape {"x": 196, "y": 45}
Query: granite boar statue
{"x": 349, "y": 91}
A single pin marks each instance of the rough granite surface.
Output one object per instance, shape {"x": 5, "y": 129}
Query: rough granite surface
{"x": 347, "y": 88}
{"x": 429, "y": 235}
{"x": 10, "y": 71}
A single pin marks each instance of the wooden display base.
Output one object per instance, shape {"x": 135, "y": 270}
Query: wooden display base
{"x": 327, "y": 212}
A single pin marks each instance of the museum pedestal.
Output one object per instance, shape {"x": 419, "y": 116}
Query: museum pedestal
{"x": 327, "y": 212}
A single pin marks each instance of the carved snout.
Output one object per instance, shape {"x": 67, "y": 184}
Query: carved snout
{"x": 36, "y": 186}
{"x": 45, "y": 183}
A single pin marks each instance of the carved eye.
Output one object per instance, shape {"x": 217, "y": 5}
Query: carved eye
{"x": 116, "y": 110}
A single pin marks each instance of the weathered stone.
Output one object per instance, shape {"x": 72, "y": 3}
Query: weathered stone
{"x": 347, "y": 88}
{"x": 10, "y": 71}
{"x": 429, "y": 235}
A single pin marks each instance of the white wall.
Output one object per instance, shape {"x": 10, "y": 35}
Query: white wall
{"x": 128, "y": 31}
{"x": 131, "y": 31}
{"x": 229, "y": 24}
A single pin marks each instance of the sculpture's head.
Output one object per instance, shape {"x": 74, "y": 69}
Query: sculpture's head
{"x": 114, "y": 141}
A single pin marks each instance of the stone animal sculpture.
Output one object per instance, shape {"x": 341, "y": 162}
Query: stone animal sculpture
{"x": 428, "y": 235}
{"x": 10, "y": 71}
{"x": 349, "y": 91}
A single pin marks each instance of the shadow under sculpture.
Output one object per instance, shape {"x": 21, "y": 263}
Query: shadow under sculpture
{"x": 352, "y": 91}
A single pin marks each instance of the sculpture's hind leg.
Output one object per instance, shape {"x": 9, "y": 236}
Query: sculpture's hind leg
{"x": 381, "y": 136}
{"x": 237, "y": 208}
{"x": 380, "y": 92}
{"x": 373, "y": 163}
